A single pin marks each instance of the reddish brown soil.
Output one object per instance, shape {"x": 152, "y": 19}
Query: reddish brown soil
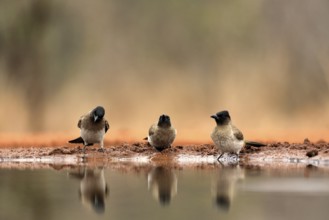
{"x": 285, "y": 150}
{"x": 273, "y": 151}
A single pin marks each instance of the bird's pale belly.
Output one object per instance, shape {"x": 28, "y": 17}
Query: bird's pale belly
{"x": 160, "y": 142}
{"x": 92, "y": 137}
{"x": 228, "y": 144}
{"x": 162, "y": 138}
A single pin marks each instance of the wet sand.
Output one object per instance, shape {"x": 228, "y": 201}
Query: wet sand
{"x": 141, "y": 152}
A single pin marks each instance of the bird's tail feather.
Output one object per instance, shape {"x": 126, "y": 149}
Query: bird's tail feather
{"x": 77, "y": 140}
{"x": 76, "y": 175}
{"x": 254, "y": 144}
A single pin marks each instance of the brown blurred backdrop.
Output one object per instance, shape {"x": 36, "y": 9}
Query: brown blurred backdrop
{"x": 266, "y": 61}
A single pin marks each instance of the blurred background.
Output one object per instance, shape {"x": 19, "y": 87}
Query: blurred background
{"x": 265, "y": 61}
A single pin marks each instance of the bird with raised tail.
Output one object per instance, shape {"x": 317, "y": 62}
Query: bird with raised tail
{"x": 224, "y": 189}
{"x": 228, "y": 138}
{"x": 162, "y": 134}
{"x": 162, "y": 182}
{"x": 93, "y": 127}
{"x": 93, "y": 188}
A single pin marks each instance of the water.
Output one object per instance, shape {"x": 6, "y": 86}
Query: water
{"x": 144, "y": 191}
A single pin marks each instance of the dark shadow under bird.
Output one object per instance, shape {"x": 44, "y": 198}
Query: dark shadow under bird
{"x": 162, "y": 182}
{"x": 93, "y": 189}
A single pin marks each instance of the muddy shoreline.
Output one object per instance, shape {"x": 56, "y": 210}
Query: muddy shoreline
{"x": 306, "y": 151}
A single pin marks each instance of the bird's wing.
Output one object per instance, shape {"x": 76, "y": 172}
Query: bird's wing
{"x": 152, "y": 129}
{"x": 106, "y": 190}
{"x": 79, "y": 123}
{"x": 83, "y": 118}
{"x": 77, "y": 141}
{"x": 107, "y": 126}
{"x": 237, "y": 133}
{"x": 76, "y": 175}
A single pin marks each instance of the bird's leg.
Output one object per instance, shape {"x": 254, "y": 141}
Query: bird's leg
{"x": 102, "y": 147}
{"x": 84, "y": 153}
{"x": 220, "y": 156}
{"x": 84, "y": 147}
{"x": 221, "y": 164}
{"x": 235, "y": 155}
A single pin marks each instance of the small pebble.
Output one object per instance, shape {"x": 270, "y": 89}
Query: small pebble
{"x": 312, "y": 153}
{"x": 307, "y": 141}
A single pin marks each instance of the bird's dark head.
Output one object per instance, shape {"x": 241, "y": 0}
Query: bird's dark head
{"x": 164, "y": 121}
{"x": 98, "y": 203}
{"x": 222, "y": 118}
{"x": 164, "y": 198}
{"x": 98, "y": 113}
{"x": 223, "y": 202}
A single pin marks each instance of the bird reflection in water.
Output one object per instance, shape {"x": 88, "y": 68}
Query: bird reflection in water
{"x": 162, "y": 182}
{"x": 225, "y": 187}
{"x": 93, "y": 188}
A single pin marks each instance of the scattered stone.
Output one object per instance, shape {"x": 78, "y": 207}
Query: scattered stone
{"x": 312, "y": 153}
{"x": 321, "y": 141}
{"x": 55, "y": 151}
{"x": 311, "y": 167}
{"x": 307, "y": 141}
{"x": 60, "y": 151}
{"x": 131, "y": 150}
{"x": 137, "y": 144}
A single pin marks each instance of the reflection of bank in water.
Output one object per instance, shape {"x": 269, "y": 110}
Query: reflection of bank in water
{"x": 93, "y": 189}
{"x": 225, "y": 186}
{"x": 162, "y": 182}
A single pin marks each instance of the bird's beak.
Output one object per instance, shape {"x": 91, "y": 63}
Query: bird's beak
{"x": 95, "y": 118}
{"x": 214, "y": 117}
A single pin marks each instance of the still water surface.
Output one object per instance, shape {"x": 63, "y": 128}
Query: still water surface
{"x": 144, "y": 192}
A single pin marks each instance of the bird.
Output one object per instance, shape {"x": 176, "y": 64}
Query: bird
{"x": 228, "y": 138}
{"x": 161, "y": 134}
{"x": 224, "y": 188}
{"x": 93, "y": 127}
{"x": 93, "y": 188}
{"x": 162, "y": 182}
